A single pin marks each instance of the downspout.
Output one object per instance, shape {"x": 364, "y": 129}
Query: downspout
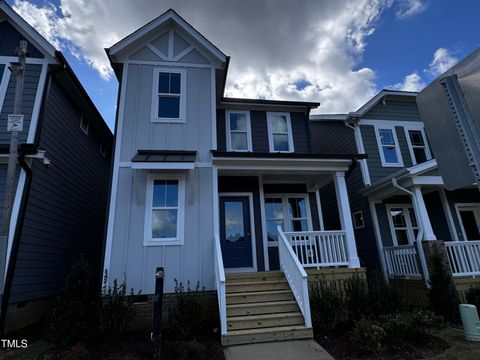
{"x": 419, "y": 239}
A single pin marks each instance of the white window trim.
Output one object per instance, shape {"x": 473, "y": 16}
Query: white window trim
{"x": 420, "y": 128}
{"x": 458, "y": 208}
{"x": 179, "y": 239}
{"x": 399, "y": 163}
{"x": 270, "y": 134}
{"x": 408, "y": 222}
{"x": 85, "y": 130}
{"x": 355, "y": 225}
{"x": 155, "y": 94}
{"x": 229, "y": 131}
{"x": 286, "y": 219}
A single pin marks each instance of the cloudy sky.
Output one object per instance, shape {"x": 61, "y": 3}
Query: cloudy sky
{"x": 338, "y": 52}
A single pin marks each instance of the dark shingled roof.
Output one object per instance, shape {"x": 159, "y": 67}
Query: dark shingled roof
{"x": 164, "y": 156}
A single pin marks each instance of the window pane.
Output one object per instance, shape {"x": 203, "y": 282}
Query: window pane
{"x": 163, "y": 82}
{"x": 172, "y": 193}
{"x": 398, "y": 217}
{"x": 174, "y": 83}
{"x": 420, "y": 155}
{"x": 272, "y": 229}
{"x": 279, "y": 123}
{"x": 299, "y": 225}
{"x": 238, "y": 122}
{"x": 168, "y": 107}
{"x": 390, "y": 155}
{"x": 386, "y": 136}
{"x": 416, "y": 137}
{"x": 164, "y": 224}
{"x": 402, "y": 237}
{"x": 159, "y": 193}
{"x": 239, "y": 141}
{"x": 234, "y": 228}
{"x": 274, "y": 209}
{"x": 296, "y": 207}
{"x": 280, "y": 143}
{"x": 413, "y": 219}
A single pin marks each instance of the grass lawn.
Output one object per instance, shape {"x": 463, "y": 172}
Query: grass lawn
{"x": 459, "y": 349}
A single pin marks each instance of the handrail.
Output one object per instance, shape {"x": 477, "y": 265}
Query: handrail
{"x": 295, "y": 274}
{"x": 220, "y": 283}
{"x": 463, "y": 257}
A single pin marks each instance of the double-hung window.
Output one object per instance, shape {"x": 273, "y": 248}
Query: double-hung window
{"x": 280, "y": 138}
{"x": 418, "y": 146}
{"x": 168, "y": 104}
{"x": 388, "y": 146}
{"x": 403, "y": 224}
{"x": 239, "y": 134}
{"x": 164, "y": 218}
{"x": 290, "y": 212}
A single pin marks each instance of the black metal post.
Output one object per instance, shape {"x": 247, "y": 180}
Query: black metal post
{"x": 158, "y": 304}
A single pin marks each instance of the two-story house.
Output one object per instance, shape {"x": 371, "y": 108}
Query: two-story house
{"x": 205, "y": 185}
{"x": 398, "y": 198}
{"x": 62, "y": 178}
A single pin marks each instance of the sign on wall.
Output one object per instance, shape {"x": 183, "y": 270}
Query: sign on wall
{"x": 15, "y": 122}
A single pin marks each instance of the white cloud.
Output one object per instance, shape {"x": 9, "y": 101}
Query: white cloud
{"x": 271, "y": 50}
{"x": 408, "y": 8}
{"x": 442, "y": 61}
{"x": 411, "y": 82}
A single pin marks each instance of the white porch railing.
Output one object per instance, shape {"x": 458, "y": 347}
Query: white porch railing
{"x": 402, "y": 261}
{"x": 316, "y": 249}
{"x": 464, "y": 257}
{"x": 295, "y": 274}
{"x": 220, "y": 283}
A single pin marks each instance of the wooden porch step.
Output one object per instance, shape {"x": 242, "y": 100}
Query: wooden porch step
{"x": 254, "y": 276}
{"x": 250, "y": 336}
{"x": 269, "y": 307}
{"x": 259, "y": 297}
{"x": 251, "y": 286}
{"x": 265, "y": 321}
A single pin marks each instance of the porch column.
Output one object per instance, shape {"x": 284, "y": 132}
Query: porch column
{"x": 424, "y": 219}
{"x": 346, "y": 217}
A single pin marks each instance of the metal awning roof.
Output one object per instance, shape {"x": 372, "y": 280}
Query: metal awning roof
{"x": 164, "y": 159}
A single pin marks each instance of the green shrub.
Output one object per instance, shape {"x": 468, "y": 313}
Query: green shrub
{"x": 369, "y": 336}
{"x": 356, "y": 298}
{"x": 188, "y": 315}
{"x": 473, "y": 296}
{"x": 116, "y": 310}
{"x": 384, "y": 297}
{"x": 327, "y": 304}
{"x": 191, "y": 350}
{"x": 72, "y": 318}
{"x": 442, "y": 294}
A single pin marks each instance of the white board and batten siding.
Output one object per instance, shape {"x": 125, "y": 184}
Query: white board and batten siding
{"x": 192, "y": 261}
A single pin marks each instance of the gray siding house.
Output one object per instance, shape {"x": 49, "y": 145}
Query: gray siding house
{"x": 221, "y": 191}
{"x": 63, "y": 171}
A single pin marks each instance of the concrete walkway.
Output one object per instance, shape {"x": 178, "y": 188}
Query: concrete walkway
{"x": 282, "y": 350}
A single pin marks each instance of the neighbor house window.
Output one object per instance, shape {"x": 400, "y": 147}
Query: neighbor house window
{"x": 280, "y": 132}
{"x": 388, "y": 147}
{"x": 165, "y": 210}
{"x": 239, "y": 136}
{"x": 418, "y": 145}
{"x": 84, "y": 124}
{"x": 403, "y": 224}
{"x": 103, "y": 148}
{"x": 168, "y": 95}
{"x": 358, "y": 221}
{"x": 290, "y": 212}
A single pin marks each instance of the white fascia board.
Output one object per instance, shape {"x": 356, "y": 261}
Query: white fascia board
{"x": 169, "y": 15}
{"x": 163, "y": 165}
{"x": 423, "y": 167}
{"x": 428, "y": 180}
{"x": 315, "y": 165}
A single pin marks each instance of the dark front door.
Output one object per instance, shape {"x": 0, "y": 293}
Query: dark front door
{"x": 235, "y": 232}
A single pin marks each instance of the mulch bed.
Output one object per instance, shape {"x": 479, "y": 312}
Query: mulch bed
{"x": 340, "y": 346}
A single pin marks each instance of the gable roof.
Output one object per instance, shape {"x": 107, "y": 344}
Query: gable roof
{"x": 375, "y": 100}
{"x": 168, "y": 16}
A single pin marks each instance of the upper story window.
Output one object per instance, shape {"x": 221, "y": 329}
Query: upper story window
{"x": 280, "y": 137}
{"x": 239, "y": 133}
{"x": 84, "y": 124}
{"x": 388, "y": 146}
{"x": 164, "y": 217}
{"x": 418, "y": 146}
{"x": 168, "y": 103}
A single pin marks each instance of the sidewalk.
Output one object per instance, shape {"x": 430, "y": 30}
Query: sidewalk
{"x": 284, "y": 350}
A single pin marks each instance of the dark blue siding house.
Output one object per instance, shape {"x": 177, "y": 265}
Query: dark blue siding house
{"x": 63, "y": 171}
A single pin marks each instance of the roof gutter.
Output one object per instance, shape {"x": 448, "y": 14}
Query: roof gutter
{"x": 419, "y": 239}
